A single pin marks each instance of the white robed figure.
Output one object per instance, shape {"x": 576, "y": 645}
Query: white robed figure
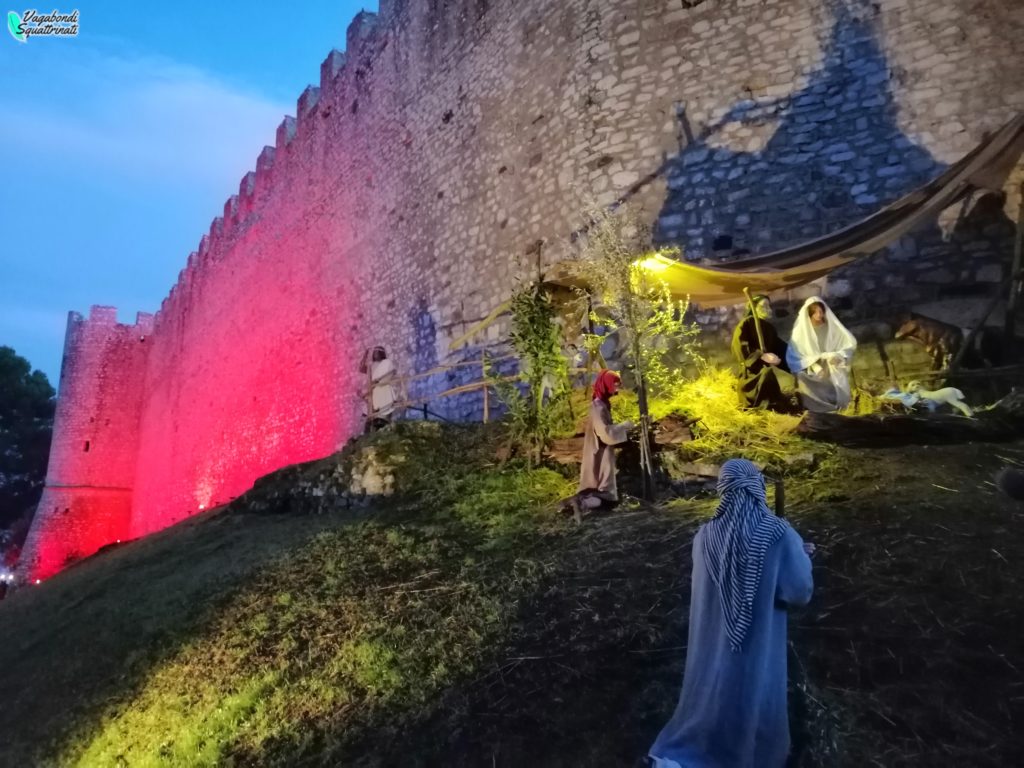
{"x": 819, "y": 355}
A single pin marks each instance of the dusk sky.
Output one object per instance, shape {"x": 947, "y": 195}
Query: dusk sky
{"x": 124, "y": 143}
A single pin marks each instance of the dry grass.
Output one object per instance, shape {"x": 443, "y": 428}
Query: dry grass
{"x": 910, "y": 644}
{"x": 725, "y": 430}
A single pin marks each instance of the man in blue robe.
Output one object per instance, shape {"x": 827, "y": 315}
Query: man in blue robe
{"x": 748, "y": 567}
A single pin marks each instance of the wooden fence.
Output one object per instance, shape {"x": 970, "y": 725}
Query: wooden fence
{"x": 405, "y": 403}
{"x": 401, "y": 385}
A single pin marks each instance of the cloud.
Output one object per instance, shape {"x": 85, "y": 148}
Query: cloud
{"x": 137, "y": 117}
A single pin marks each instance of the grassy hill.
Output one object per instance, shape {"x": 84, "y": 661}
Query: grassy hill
{"x": 464, "y": 621}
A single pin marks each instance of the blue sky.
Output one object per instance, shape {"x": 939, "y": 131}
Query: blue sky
{"x": 124, "y": 143}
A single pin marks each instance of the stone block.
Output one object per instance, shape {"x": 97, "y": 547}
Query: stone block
{"x": 990, "y": 273}
{"x": 624, "y": 179}
{"x": 940, "y": 276}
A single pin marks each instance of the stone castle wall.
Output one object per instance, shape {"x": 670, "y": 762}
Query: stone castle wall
{"x": 86, "y": 502}
{"x": 451, "y": 149}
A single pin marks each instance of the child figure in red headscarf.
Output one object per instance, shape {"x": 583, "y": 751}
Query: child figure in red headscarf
{"x": 597, "y": 473}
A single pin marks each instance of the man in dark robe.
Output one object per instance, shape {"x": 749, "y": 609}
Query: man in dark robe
{"x": 759, "y": 385}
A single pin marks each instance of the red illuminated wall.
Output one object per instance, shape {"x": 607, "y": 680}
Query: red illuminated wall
{"x": 87, "y": 500}
{"x": 245, "y": 375}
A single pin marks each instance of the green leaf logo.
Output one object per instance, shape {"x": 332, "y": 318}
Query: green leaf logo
{"x": 14, "y": 25}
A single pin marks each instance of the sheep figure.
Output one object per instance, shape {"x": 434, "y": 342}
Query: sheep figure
{"x": 896, "y": 395}
{"x": 933, "y": 398}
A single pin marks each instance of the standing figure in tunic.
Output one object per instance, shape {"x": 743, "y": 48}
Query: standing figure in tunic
{"x": 749, "y": 566}
{"x": 597, "y": 471}
{"x": 820, "y": 352}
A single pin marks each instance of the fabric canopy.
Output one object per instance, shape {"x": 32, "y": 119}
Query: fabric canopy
{"x": 987, "y": 167}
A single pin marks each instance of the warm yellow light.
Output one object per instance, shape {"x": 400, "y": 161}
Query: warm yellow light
{"x": 656, "y": 262}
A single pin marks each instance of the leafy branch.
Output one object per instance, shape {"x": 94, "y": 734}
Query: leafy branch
{"x": 534, "y": 416}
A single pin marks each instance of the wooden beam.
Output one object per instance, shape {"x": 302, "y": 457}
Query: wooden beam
{"x": 1014, "y": 295}
{"x": 969, "y": 340}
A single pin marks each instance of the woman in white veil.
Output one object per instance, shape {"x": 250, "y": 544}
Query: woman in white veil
{"x": 819, "y": 354}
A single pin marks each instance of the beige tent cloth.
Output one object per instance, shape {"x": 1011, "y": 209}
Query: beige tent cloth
{"x": 987, "y": 166}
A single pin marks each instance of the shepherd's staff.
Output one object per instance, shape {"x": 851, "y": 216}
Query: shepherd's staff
{"x": 780, "y": 490}
{"x": 757, "y": 322}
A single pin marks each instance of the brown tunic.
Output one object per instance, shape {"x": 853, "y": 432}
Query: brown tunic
{"x": 597, "y": 473}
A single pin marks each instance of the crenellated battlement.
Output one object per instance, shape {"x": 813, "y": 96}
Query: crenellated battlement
{"x": 307, "y": 102}
{"x": 336, "y": 76}
{"x": 86, "y": 501}
{"x": 331, "y": 68}
{"x": 362, "y": 26}
{"x": 101, "y": 315}
{"x": 286, "y": 132}
{"x": 247, "y": 185}
{"x": 255, "y": 183}
{"x": 264, "y": 163}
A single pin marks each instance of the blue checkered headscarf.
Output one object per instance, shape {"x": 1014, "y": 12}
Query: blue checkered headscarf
{"x": 736, "y": 541}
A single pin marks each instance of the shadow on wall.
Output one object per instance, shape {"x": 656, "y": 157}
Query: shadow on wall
{"x": 774, "y": 173}
{"x": 423, "y": 336}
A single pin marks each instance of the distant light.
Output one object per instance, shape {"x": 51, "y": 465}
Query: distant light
{"x": 118, "y": 541}
{"x": 37, "y": 581}
{"x": 655, "y": 263}
{"x": 202, "y": 507}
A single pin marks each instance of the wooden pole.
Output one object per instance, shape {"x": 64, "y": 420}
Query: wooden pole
{"x": 646, "y": 465}
{"x": 969, "y": 341}
{"x": 483, "y": 379}
{"x": 887, "y": 363}
{"x": 368, "y": 361}
{"x": 757, "y": 321}
{"x": 1014, "y": 294}
{"x": 780, "y": 497}
{"x": 487, "y": 404}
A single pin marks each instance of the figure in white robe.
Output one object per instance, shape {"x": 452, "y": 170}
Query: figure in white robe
{"x": 819, "y": 355}
{"x": 749, "y": 566}
{"x": 381, "y": 396}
